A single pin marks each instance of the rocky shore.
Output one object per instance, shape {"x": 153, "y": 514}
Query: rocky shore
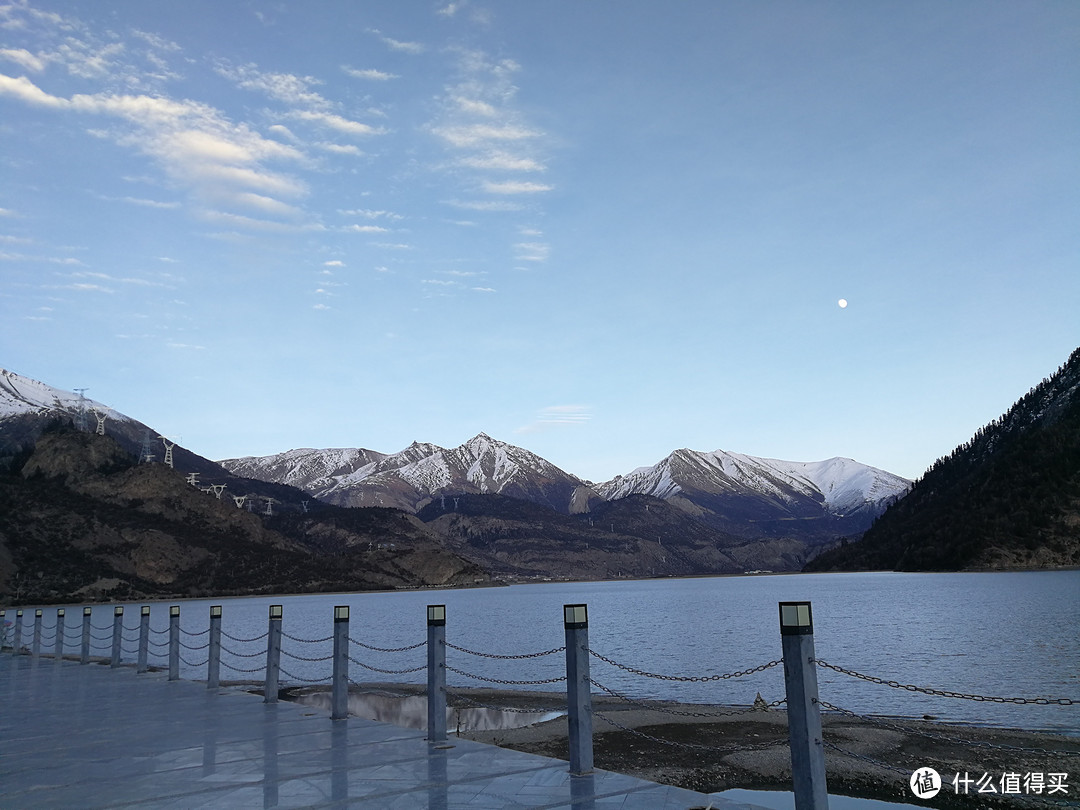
{"x": 710, "y": 748}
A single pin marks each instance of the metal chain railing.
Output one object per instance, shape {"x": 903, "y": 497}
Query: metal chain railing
{"x": 302, "y": 658}
{"x": 245, "y": 640}
{"x": 298, "y": 679}
{"x": 654, "y": 707}
{"x": 193, "y": 649}
{"x": 306, "y": 640}
{"x": 387, "y": 649}
{"x": 505, "y": 657}
{"x": 387, "y": 671}
{"x": 194, "y": 635}
{"x": 227, "y": 665}
{"x": 192, "y": 664}
{"x": 685, "y": 678}
{"x": 945, "y": 692}
{"x": 504, "y": 681}
{"x": 243, "y": 655}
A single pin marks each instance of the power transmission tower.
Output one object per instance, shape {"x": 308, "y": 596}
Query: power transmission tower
{"x": 81, "y": 422}
{"x": 146, "y": 454}
{"x": 168, "y": 450}
{"x": 100, "y": 422}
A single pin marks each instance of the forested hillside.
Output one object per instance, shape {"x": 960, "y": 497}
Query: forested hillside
{"x": 1007, "y": 498}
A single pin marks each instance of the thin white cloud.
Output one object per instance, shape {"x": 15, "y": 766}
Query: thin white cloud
{"x": 24, "y": 59}
{"x": 531, "y": 251}
{"x": 486, "y": 205}
{"x": 502, "y": 161}
{"x": 413, "y": 48}
{"x": 484, "y": 289}
{"x": 365, "y": 229}
{"x": 340, "y": 148}
{"x": 515, "y": 187}
{"x": 334, "y": 263}
{"x": 337, "y": 122}
{"x": 555, "y": 416}
{"x": 370, "y": 74}
{"x": 478, "y": 135}
{"x": 286, "y": 87}
{"x": 368, "y": 213}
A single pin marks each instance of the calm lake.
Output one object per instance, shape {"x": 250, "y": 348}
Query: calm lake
{"x": 989, "y": 634}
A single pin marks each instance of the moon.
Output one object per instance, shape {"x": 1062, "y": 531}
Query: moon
{"x": 842, "y": 303}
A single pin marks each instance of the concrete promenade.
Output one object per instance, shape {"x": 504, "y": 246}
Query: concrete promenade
{"x": 90, "y": 736}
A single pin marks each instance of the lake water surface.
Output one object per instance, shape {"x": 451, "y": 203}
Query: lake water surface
{"x": 989, "y": 634}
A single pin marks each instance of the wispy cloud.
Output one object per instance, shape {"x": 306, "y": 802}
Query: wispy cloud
{"x": 531, "y": 251}
{"x": 195, "y": 144}
{"x": 397, "y": 44}
{"x": 555, "y": 416}
{"x": 515, "y": 187}
{"x": 370, "y": 74}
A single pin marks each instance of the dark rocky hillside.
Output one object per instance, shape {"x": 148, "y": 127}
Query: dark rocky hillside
{"x": 1008, "y": 498}
{"x": 80, "y": 520}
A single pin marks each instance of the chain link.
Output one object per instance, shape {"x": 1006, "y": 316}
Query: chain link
{"x": 863, "y": 758}
{"x": 298, "y": 679}
{"x": 663, "y": 709}
{"x": 243, "y": 655}
{"x": 505, "y": 657}
{"x": 946, "y": 693}
{"x": 386, "y": 649}
{"x": 190, "y": 664}
{"x": 227, "y": 665}
{"x": 387, "y": 671}
{"x": 195, "y": 635}
{"x": 302, "y": 658}
{"x": 245, "y": 640}
{"x": 506, "y": 682}
{"x": 690, "y": 678}
{"x": 307, "y": 640}
{"x": 194, "y": 649}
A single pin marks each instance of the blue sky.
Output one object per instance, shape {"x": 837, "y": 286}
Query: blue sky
{"x": 601, "y": 231}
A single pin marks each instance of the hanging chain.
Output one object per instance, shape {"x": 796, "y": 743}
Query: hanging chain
{"x": 505, "y": 657}
{"x": 506, "y": 682}
{"x": 691, "y": 678}
{"x": 946, "y": 693}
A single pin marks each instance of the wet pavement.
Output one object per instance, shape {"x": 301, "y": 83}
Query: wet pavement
{"x": 74, "y": 736}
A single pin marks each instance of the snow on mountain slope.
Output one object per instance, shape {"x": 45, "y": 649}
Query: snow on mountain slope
{"x": 410, "y": 478}
{"x": 735, "y": 486}
{"x": 22, "y": 395}
{"x": 306, "y": 468}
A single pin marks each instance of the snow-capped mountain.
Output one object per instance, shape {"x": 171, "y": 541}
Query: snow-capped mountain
{"x": 22, "y": 396}
{"x": 748, "y": 495}
{"x": 411, "y": 478}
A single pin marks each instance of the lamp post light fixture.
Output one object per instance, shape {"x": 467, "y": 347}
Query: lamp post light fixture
{"x": 276, "y": 612}
{"x": 174, "y": 611}
{"x": 796, "y": 619}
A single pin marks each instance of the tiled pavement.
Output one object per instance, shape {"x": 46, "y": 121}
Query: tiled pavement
{"x": 89, "y": 737}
